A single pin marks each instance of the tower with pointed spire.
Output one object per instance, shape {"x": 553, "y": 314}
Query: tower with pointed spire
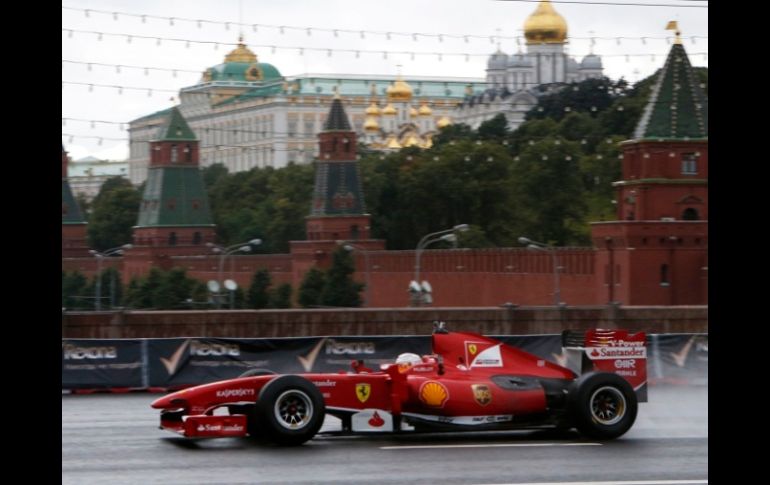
{"x": 73, "y": 225}
{"x": 174, "y": 217}
{"x": 338, "y": 212}
{"x": 656, "y": 252}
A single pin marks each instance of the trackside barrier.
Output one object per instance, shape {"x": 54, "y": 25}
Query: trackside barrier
{"x": 125, "y": 365}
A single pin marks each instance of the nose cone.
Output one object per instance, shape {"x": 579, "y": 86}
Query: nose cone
{"x": 169, "y": 401}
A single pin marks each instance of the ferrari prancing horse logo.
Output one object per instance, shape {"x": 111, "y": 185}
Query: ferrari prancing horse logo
{"x": 363, "y": 391}
{"x": 472, "y": 349}
{"x": 482, "y": 394}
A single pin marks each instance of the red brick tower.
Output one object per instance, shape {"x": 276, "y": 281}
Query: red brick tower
{"x": 657, "y": 251}
{"x": 74, "y": 243}
{"x": 174, "y": 216}
{"x": 338, "y": 212}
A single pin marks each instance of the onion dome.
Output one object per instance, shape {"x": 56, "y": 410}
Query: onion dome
{"x": 391, "y": 142}
{"x": 425, "y": 109}
{"x": 498, "y": 60}
{"x": 389, "y": 110}
{"x": 413, "y": 112}
{"x": 371, "y": 124}
{"x": 373, "y": 109}
{"x": 444, "y": 121}
{"x": 428, "y": 142}
{"x": 545, "y": 26}
{"x": 519, "y": 60}
{"x": 591, "y": 61}
{"x": 241, "y": 65}
{"x": 411, "y": 140}
{"x": 399, "y": 91}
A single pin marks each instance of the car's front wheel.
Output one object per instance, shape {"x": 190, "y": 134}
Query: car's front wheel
{"x": 290, "y": 410}
{"x": 602, "y": 405}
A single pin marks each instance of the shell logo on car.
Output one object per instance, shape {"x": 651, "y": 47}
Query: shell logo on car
{"x": 434, "y": 394}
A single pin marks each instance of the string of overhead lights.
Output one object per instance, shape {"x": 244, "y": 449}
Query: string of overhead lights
{"x": 531, "y": 141}
{"x": 361, "y": 33}
{"x": 300, "y": 49}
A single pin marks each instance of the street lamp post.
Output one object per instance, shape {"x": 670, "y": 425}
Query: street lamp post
{"x": 225, "y": 252}
{"x": 445, "y": 235}
{"x": 538, "y": 246}
{"x": 99, "y": 257}
{"x": 352, "y": 247}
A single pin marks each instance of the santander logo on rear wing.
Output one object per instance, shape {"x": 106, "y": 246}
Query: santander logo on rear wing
{"x": 615, "y": 351}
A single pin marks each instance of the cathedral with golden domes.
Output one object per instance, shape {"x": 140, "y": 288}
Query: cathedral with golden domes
{"x": 247, "y": 114}
{"x": 515, "y": 81}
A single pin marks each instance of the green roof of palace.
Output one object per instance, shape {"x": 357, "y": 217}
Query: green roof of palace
{"x": 174, "y": 196}
{"x": 322, "y": 86}
{"x": 236, "y": 71}
{"x": 678, "y": 107}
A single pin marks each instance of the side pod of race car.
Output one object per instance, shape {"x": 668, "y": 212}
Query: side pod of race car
{"x": 469, "y": 382}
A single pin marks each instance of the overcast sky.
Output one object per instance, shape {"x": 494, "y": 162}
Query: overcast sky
{"x": 485, "y": 22}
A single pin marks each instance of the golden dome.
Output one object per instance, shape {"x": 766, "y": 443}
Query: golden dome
{"x": 391, "y": 142}
{"x": 389, "y": 110}
{"x": 399, "y": 91}
{"x": 444, "y": 121}
{"x": 241, "y": 53}
{"x": 425, "y": 109}
{"x": 411, "y": 140}
{"x": 371, "y": 124}
{"x": 373, "y": 109}
{"x": 428, "y": 142}
{"x": 545, "y": 26}
{"x": 412, "y": 112}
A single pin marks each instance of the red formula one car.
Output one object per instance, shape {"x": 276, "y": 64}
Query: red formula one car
{"x": 470, "y": 382}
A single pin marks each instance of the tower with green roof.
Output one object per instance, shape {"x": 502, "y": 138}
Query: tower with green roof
{"x": 174, "y": 216}
{"x": 658, "y": 246}
{"x": 73, "y": 224}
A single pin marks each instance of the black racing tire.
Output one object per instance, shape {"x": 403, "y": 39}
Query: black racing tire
{"x": 602, "y": 405}
{"x": 290, "y": 410}
{"x": 254, "y": 371}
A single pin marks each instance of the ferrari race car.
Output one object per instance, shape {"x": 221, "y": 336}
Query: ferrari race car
{"x": 469, "y": 382}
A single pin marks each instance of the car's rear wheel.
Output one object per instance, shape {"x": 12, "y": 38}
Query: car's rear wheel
{"x": 602, "y": 405}
{"x": 290, "y": 410}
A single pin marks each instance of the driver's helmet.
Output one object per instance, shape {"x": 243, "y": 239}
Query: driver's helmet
{"x": 409, "y": 358}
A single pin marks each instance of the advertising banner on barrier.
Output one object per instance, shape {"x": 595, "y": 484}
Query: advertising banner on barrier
{"x": 680, "y": 358}
{"x": 181, "y": 362}
{"x": 99, "y": 363}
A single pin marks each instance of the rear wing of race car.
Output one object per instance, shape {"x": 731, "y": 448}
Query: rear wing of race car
{"x": 614, "y": 351}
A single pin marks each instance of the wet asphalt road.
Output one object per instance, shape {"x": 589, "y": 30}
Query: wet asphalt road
{"x": 115, "y": 439}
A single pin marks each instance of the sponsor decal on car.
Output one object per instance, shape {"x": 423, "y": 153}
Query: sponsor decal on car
{"x": 483, "y": 354}
{"x": 363, "y": 391}
{"x": 482, "y": 394}
{"x": 235, "y": 392}
{"x": 612, "y": 353}
{"x": 219, "y": 427}
{"x": 372, "y": 420}
{"x": 434, "y": 394}
{"x": 326, "y": 383}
